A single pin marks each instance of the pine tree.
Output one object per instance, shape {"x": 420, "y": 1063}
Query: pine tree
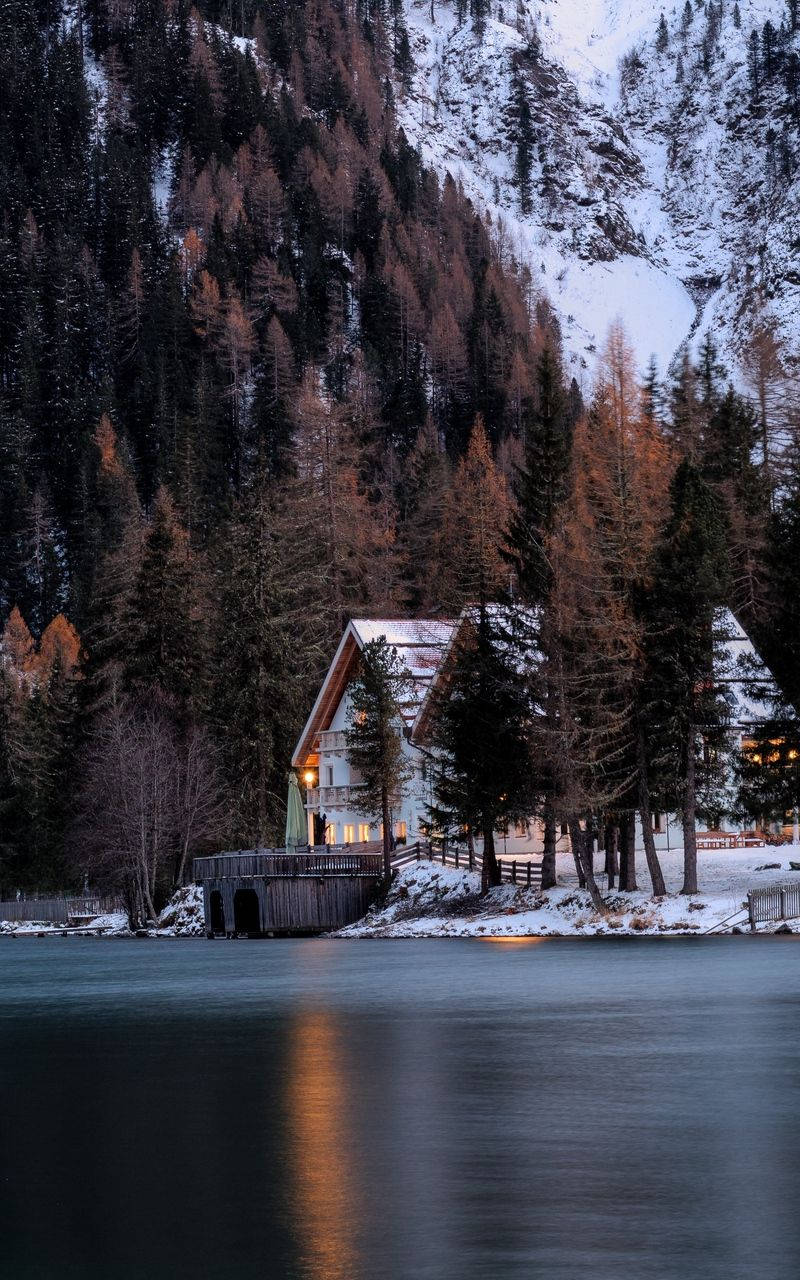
{"x": 754, "y": 67}
{"x": 375, "y": 738}
{"x": 164, "y": 642}
{"x": 267, "y": 649}
{"x": 690, "y": 585}
{"x": 540, "y": 490}
{"x": 524, "y": 138}
{"x": 482, "y": 728}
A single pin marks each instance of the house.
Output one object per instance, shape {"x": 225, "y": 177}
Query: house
{"x": 422, "y": 646}
{"x": 320, "y": 755}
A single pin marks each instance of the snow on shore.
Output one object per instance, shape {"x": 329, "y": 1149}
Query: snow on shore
{"x": 428, "y": 900}
{"x": 182, "y": 917}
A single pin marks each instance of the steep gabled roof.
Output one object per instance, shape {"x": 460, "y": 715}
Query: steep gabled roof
{"x": 468, "y": 616}
{"x": 747, "y": 682}
{"x": 420, "y": 644}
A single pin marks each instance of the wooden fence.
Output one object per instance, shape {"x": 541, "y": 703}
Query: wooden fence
{"x": 57, "y": 910}
{"x": 780, "y": 902}
{"x": 512, "y": 870}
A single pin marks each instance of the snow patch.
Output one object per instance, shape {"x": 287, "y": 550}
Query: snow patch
{"x": 428, "y": 900}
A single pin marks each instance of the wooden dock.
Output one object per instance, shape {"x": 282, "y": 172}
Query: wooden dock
{"x": 268, "y": 892}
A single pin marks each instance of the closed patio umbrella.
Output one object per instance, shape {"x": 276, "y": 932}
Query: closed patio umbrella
{"x": 296, "y": 823}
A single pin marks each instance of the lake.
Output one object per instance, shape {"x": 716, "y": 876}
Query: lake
{"x": 326, "y": 1110}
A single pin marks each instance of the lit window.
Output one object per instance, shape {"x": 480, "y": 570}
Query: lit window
{"x": 400, "y": 832}
{"x": 363, "y": 833}
{"x": 656, "y": 821}
{"x": 330, "y": 833}
{"x": 349, "y": 833}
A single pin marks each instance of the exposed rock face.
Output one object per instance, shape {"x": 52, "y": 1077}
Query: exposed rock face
{"x": 664, "y": 185}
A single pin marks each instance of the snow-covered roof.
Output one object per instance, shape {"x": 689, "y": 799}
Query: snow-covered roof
{"x": 748, "y": 683}
{"x": 424, "y": 645}
{"x": 506, "y": 615}
{"x": 420, "y": 644}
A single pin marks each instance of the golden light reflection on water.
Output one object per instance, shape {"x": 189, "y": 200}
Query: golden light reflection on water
{"x": 501, "y": 940}
{"x": 324, "y": 1195}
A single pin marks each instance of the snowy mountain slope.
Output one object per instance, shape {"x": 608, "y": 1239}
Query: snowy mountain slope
{"x": 659, "y": 190}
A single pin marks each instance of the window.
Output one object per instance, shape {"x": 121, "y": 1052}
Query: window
{"x": 349, "y": 836}
{"x": 363, "y": 833}
{"x": 330, "y": 833}
{"x": 656, "y": 821}
{"x": 400, "y": 832}
{"x": 329, "y": 774}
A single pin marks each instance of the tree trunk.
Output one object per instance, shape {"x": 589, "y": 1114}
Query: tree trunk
{"x": 549, "y": 856}
{"x": 580, "y": 849}
{"x": 387, "y": 836}
{"x": 577, "y": 856}
{"x": 612, "y": 853}
{"x": 690, "y": 817}
{"x": 646, "y": 816}
{"x": 490, "y": 872}
{"x": 627, "y": 853}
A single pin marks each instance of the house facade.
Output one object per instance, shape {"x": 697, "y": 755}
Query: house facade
{"x": 331, "y": 787}
{"x": 320, "y": 757}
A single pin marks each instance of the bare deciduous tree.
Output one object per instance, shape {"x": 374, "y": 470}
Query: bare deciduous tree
{"x": 151, "y": 797}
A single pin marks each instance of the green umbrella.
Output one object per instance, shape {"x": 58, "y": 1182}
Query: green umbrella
{"x": 296, "y": 822}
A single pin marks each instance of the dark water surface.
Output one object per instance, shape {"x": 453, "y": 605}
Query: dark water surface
{"x": 407, "y": 1111}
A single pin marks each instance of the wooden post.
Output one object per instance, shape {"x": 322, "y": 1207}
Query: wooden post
{"x": 784, "y": 908}
{"x": 529, "y": 873}
{"x": 457, "y": 857}
{"x": 514, "y": 871}
{"x": 751, "y": 912}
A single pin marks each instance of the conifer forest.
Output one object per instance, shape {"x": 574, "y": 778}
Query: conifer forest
{"x": 262, "y": 370}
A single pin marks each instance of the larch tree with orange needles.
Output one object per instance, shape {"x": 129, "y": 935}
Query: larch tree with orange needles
{"x": 620, "y": 466}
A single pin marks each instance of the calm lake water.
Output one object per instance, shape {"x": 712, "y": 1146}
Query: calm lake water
{"x": 411, "y": 1110}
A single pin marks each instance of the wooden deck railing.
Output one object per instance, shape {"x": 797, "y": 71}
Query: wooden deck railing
{"x": 316, "y": 860}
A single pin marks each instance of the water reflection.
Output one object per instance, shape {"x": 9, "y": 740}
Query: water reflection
{"x": 400, "y": 1111}
{"x": 322, "y": 1190}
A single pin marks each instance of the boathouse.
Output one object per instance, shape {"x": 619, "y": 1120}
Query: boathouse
{"x": 269, "y": 892}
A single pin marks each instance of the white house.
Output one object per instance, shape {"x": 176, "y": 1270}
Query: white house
{"x": 422, "y": 645}
{"x": 320, "y": 755}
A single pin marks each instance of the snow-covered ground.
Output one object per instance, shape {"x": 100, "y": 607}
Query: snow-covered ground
{"x": 181, "y": 918}
{"x": 428, "y": 900}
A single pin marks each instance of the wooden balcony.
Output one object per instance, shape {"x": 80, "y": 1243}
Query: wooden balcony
{"x": 318, "y": 798}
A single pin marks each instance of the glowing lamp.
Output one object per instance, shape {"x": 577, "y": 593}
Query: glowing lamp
{"x": 308, "y": 777}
